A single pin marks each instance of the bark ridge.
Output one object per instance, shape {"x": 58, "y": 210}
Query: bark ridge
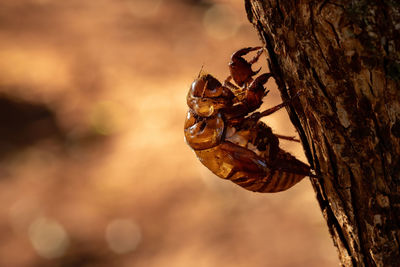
{"x": 345, "y": 57}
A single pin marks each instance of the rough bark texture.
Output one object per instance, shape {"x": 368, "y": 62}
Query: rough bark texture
{"x": 345, "y": 57}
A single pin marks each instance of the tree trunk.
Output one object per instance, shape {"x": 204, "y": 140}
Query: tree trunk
{"x": 344, "y": 57}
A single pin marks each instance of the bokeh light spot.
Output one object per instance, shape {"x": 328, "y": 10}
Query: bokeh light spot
{"x": 48, "y": 238}
{"x": 220, "y": 22}
{"x": 123, "y": 235}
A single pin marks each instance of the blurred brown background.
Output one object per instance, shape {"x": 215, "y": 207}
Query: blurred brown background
{"x": 93, "y": 167}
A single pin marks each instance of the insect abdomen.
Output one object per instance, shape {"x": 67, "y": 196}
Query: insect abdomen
{"x": 285, "y": 173}
{"x": 275, "y": 182}
{"x": 246, "y": 169}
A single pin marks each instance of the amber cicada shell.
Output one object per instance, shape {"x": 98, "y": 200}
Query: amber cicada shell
{"x": 224, "y": 130}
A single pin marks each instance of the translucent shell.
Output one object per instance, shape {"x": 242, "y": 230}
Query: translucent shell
{"x": 227, "y": 159}
{"x": 228, "y": 137}
{"x": 246, "y": 169}
{"x": 203, "y": 133}
{"x": 207, "y": 96}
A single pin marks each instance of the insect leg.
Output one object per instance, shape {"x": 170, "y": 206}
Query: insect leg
{"x": 272, "y": 110}
{"x": 257, "y": 56}
{"x": 258, "y": 83}
{"x": 252, "y": 98}
{"x": 228, "y": 79}
{"x": 277, "y": 107}
{"x": 289, "y": 138}
{"x": 227, "y": 83}
{"x": 240, "y": 68}
{"x": 244, "y": 51}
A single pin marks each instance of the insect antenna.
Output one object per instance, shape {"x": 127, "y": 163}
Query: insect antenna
{"x": 201, "y": 70}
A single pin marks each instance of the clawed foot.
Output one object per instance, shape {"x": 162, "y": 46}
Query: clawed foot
{"x": 240, "y": 68}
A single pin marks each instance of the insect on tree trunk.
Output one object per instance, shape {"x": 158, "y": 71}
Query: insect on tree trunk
{"x": 345, "y": 58}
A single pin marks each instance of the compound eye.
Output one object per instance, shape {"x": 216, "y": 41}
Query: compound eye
{"x": 214, "y": 89}
{"x": 206, "y": 86}
{"x": 213, "y": 92}
{"x": 197, "y": 87}
{"x": 206, "y": 96}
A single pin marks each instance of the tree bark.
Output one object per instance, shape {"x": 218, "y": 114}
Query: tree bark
{"x": 344, "y": 56}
